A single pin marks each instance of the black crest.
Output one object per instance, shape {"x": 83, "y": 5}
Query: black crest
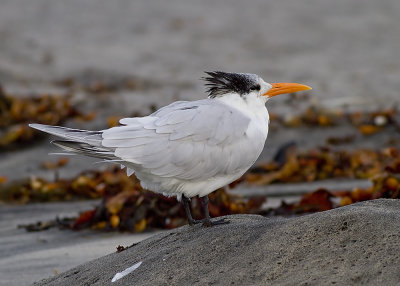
{"x": 220, "y": 83}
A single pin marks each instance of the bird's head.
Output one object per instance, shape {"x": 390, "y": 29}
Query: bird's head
{"x": 246, "y": 85}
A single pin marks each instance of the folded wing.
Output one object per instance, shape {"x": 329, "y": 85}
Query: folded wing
{"x": 185, "y": 140}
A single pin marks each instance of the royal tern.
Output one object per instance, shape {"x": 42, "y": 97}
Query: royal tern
{"x": 188, "y": 148}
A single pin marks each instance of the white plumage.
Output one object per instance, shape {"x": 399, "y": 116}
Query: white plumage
{"x": 186, "y": 148}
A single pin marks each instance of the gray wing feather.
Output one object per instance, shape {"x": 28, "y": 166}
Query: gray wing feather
{"x": 136, "y": 121}
{"x": 85, "y": 136}
{"x": 84, "y": 149}
{"x": 182, "y": 140}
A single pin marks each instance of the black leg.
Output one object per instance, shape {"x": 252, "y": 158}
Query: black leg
{"x": 186, "y": 206}
{"x": 207, "y": 221}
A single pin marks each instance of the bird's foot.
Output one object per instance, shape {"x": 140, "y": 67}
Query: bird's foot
{"x": 192, "y": 222}
{"x": 208, "y": 222}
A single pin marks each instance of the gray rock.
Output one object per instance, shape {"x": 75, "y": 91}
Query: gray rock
{"x": 353, "y": 245}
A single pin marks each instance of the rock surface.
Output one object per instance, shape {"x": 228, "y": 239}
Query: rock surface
{"x": 353, "y": 245}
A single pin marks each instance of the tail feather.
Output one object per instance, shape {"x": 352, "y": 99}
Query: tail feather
{"x": 85, "y": 149}
{"x": 84, "y": 136}
{"x": 83, "y": 142}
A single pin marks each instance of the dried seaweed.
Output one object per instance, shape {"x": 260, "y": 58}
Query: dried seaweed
{"x": 17, "y": 112}
{"x": 324, "y": 163}
{"x": 124, "y": 205}
{"x": 367, "y": 123}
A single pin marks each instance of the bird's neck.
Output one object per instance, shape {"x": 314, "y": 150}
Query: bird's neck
{"x": 252, "y": 106}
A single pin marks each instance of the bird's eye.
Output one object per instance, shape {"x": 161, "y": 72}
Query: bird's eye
{"x": 255, "y": 87}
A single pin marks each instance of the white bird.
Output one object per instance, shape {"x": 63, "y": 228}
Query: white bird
{"x": 188, "y": 148}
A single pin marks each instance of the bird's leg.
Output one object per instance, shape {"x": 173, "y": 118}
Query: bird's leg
{"x": 207, "y": 221}
{"x": 186, "y": 206}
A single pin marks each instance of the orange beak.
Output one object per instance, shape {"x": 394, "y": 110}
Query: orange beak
{"x": 285, "y": 87}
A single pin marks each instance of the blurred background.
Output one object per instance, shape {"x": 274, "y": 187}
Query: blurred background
{"x": 88, "y": 63}
{"x": 141, "y": 55}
